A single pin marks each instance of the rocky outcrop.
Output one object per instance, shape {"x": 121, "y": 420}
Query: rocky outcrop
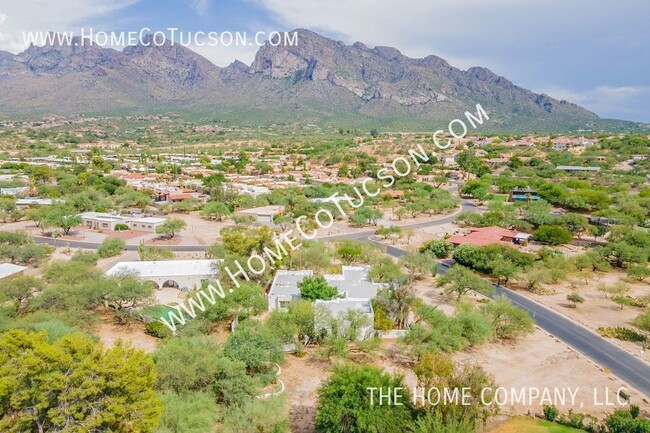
{"x": 315, "y": 80}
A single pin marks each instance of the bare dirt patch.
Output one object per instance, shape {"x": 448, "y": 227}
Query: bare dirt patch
{"x": 109, "y": 332}
{"x": 598, "y": 310}
{"x": 302, "y": 377}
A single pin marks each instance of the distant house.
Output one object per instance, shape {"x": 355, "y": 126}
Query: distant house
{"x": 560, "y": 146}
{"x": 181, "y": 196}
{"x": 146, "y": 224}
{"x": 352, "y": 283}
{"x": 523, "y": 195}
{"x": 340, "y": 309}
{"x": 264, "y": 214}
{"x": 107, "y": 221}
{"x": 33, "y": 201}
{"x": 496, "y": 162}
{"x": 481, "y": 236}
{"x": 19, "y": 190}
{"x": 179, "y": 274}
{"x": 576, "y": 168}
{"x": 8, "y": 270}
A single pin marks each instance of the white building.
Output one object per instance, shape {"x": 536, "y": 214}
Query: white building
{"x": 263, "y": 214}
{"x": 8, "y": 270}
{"x": 107, "y": 221}
{"x": 345, "y": 311}
{"x": 284, "y": 289}
{"x": 179, "y": 274}
{"x": 352, "y": 283}
{"x": 34, "y": 201}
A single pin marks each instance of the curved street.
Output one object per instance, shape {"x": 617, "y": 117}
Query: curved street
{"x": 633, "y": 371}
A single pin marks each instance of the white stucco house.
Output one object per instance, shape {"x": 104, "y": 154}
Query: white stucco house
{"x": 352, "y": 282}
{"x": 108, "y": 221}
{"x": 355, "y": 293}
{"x": 341, "y": 310}
{"x": 263, "y": 214}
{"x": 180, "y": 274}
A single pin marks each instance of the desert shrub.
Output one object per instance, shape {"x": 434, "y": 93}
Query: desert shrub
{"x": 551, "y": 412}
{"x": 629, "y": 301}
{"x": 621, "y": 333}
{"x": 573, "y": 419}
{"x": 553, "y": 235}
{"x": 157, "y": 329}
{"x": 440, "y": 248}
{"x": 121, "y": 227}
{"x": 111, "y": 247}
{"x": 575, "y": 298}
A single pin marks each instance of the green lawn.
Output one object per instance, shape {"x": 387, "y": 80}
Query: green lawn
{"x": 529, "y": 425}
{"x": 500, "y": 198}
{"x": 156, "y": 311}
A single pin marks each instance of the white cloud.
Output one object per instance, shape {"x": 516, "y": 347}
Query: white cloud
{"x": 625, "y": 102}
{"x": 225, "y": 55}
{"x": 199, "y": 6}
{"x": 47, "y": 15}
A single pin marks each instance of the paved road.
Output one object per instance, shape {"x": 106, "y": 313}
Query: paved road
{"x": 94, "y": 245}
{"x": 633, "y": 371}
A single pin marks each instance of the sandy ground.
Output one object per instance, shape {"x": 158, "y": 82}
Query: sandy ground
{"x": 541, "y": 361}
{"x": 109, "y": 332}
{"x": 302, "y": 377}
{"x": 598, "y": 310}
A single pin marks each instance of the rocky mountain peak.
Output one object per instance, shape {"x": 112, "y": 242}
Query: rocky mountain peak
{"x": 316, "y": 79}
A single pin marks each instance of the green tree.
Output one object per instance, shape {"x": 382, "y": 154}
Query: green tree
{"x": 418, "y": 265}
{"x": 63, "y": 218}
{"x": 312, "y": 288}
{"x": 74, "y": 384}
{"x": 19, "y": 289}
{"x": 111, "y": 247}
{"x": 440, "y": 248}
{"x": 171, "y": 227}
{"x": 553, "y": 235}
{"x": 126, "y": 292}
{"x": 186, "y": 364}
{"x": 214, "y": 209}
{"x": 344, "y": 403}
{"x": 256, "y": 346}
{"x": 643, "y": 322}
{"x": 190, "y": 412}
{"x": 259, "y": 416}
{"x": 573, "y": 222}
{"x": 507, "y": 320}
{"x": 575, "y": 299}
{"x": 438, "y": 371}
{"x": 459, "y": 280}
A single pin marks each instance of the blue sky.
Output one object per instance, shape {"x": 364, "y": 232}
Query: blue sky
{"x": 592, "y": 52}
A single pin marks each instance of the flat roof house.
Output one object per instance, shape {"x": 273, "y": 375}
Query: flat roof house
{"x": 352, "y": 283}
{"x": 523, "y": 195}
{"x": 179, "y": 274}
{"x": 263, "y": 214}
{"x": 107, "y": 221}
{"x": 340, "y": 309}
{"x": 574, "y": 168}
{"x": 480, "y": 236}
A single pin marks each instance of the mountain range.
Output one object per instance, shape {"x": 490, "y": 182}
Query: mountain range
{"x": 316, "y": 81}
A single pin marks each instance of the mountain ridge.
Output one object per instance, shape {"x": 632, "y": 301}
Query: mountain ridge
{"x": 319, "y": 80}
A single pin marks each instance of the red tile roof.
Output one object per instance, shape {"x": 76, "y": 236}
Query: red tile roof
{"x": 180, "y": 196}
{"x": 483, "y": 236}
